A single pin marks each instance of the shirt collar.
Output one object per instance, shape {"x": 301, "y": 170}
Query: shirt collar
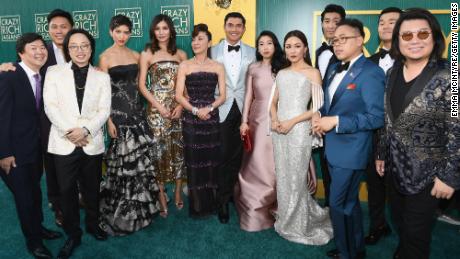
{"x": 30, "y": 73}
{"x": 353, "y": 60}
{"x": 228, "y": 44}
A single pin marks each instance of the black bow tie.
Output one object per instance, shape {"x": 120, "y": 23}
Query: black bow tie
{"x": 383, "y": 52}
{"x": 324, "y": 47}
{"x": 235, "y": 48}
{"x": 343, "y": 67}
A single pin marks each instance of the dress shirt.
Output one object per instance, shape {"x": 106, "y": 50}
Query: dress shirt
{"x": 30, "y": 75}
{"x": 323, "y": 61}
{"x": 58, "y": 55}
{"x": 386, "y": 62}
{"x": 232, "y": 62}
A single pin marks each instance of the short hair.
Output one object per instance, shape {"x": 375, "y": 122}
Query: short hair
{"x": 60, "y": 13}
{"x": 201, "y": 27}
{"x": 303, "y": 38}
{"x": 436, "y": 32}
{"x": 88, "y": 36}
{"x": 333, "y": 8}
{"x": 235, "y": 15}
{"x": 119, "y": 20}
{"x": 25, "y": 39}
{"x": 354, "y": 23}
{"x": 391, "y": 9}
{"x": 153, "y": 44}
{"x": 277, "y": 61}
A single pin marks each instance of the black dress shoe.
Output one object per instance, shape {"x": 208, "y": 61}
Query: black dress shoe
{"x": 40, "y": 251}
{"x": 375, "y": 235}
{"x": 97, "y": 233}
{"x": 360, "y": 255}
{"x": 334, "y": 253}
{"x": 50, "y": 234}
{"x": 223, "y": 214}
{"x": 67, "y": 250}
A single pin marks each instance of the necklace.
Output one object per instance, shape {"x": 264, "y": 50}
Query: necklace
{"x": 79, "y": 88}
{"x": 202, "y": 62}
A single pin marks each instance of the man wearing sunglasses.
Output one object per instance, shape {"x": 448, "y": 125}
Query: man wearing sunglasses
{"x": 353, "y": 108}
{"x": 376, "y": 190}
{"x": 419, "y": 144}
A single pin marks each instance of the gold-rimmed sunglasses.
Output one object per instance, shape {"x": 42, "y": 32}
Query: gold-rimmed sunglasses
{"x": 421, "y": 35}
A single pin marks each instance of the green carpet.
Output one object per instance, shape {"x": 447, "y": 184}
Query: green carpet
{"x": 178, "y": 236}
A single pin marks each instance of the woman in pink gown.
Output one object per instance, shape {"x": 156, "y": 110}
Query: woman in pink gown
{"x": 255, "y": 191}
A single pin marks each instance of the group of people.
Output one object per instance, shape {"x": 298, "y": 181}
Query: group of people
{"x": 201, "y": 111}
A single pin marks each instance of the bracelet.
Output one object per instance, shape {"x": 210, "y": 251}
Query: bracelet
{"x": 211, "y": 108}
{"x": 86, "y": 131}
{"x": 194, "y": 110}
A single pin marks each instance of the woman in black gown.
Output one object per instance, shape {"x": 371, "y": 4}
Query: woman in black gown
{"x": 197, "y": 78}
{"x": 129, "y": 191}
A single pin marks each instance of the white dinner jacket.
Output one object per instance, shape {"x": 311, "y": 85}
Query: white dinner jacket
{"x": 233, "y": 91}
{"x": 61, "y": 107}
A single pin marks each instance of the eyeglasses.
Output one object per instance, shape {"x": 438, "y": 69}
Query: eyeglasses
{"x": 84, "y": 47}
{"x": 409, "y": 35}
{"x": 341, "y": 40}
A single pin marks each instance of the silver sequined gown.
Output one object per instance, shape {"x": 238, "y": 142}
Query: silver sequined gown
{"x": 299, "y": 218}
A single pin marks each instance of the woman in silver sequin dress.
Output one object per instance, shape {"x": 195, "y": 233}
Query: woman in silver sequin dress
{"x": 299, "y": 218}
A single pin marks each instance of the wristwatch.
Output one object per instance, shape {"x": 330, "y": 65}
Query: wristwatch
{"x": 194, "y": 110}
{"x": 211, "y": 108}
{"x": 86, "y": 131}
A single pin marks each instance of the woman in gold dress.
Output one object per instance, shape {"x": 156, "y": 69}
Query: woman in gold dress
{"x": 157, "y": 82}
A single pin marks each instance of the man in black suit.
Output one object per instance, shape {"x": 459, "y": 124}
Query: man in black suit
{"x": 60, "y": 23}
{"x": 20, "y": 149}
{"x": 376, "y": 189}
{"x": 325, "y": 57}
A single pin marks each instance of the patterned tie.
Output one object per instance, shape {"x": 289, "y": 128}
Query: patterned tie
{"x": 38, "y": 90}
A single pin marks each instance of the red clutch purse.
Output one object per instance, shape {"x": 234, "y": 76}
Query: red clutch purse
{"x": 247, "y": 142}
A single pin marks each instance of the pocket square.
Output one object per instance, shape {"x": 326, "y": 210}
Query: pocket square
{"x": 351, "y": 87}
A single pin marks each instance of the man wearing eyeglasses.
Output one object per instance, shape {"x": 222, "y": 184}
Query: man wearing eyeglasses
{"x": 353, "y": 108}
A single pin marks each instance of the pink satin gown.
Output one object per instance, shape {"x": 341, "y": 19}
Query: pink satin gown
{"x": 255, "y": 195}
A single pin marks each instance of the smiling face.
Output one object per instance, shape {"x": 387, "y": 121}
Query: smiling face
{"x": 415, "y": 48}
{"x": 265, "y": 47}
{"x": 34, "y": 54}
{"x": 120, "y": 35}
{"x": 386, "y": 25}
{"x": 200, "y": 43}
{"x": 80, "y": 49}
{"x": 329, "y": 24}
{"x": 295, "y": 49}
{"x": 58, "y": 28}
{"x": 162, "y": 32}
{"x": 234, "y": 30}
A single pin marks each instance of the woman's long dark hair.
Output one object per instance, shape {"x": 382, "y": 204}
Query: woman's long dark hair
{"x": 153, "y": 44}
{"x": 277, "y": 61}
{"x": 303, "y": 39}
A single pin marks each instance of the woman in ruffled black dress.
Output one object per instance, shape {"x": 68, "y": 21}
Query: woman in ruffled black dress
{"x": 129, "y": 191}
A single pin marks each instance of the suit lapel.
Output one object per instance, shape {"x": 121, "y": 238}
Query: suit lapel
{"x": 90, "y": 78}
{"x": 330, "y": 73}
{"x": 244, "y": 58}
{"x": 420, "y": 83}
{"x": 393, "y": 74}
{"x": 352, "y": 73}
{"x": 25, "y": 83}
{"x": 70, "y": 85}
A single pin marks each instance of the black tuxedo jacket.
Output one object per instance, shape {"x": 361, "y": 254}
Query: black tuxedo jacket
{"x": 19, "y": 118}
{"x": 332, "y": 60}
{"x": 375, "y": 58}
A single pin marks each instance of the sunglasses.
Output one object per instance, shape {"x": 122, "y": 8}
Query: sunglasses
{"x": 421, "y": 35}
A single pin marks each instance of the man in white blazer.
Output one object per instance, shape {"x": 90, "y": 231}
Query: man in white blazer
{"x": 77, "y": 101}
{"x": 236, "y": 57}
